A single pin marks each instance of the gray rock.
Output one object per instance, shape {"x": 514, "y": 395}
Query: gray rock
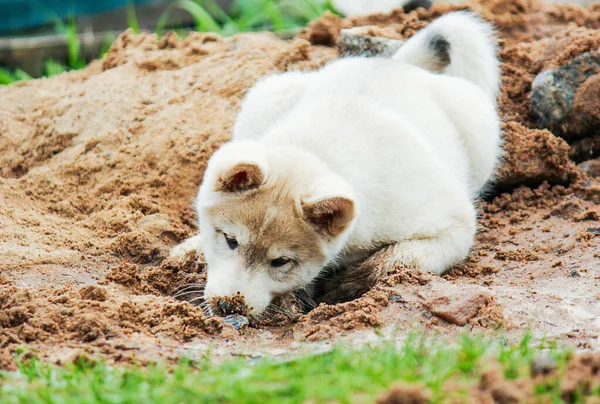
{"x": 357, "y": 42}
{"x": 585, "y": 149}
{"x": 554, "y": 97}
{"x": 591, "y": 168}
{"x": 543, "y": 365}
{"x": 237, "y": 321}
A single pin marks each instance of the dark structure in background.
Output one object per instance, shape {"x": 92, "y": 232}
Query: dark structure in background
{"x": 28, "y": 33}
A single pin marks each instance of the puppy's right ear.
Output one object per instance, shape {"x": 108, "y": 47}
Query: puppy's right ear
{"x": 241, "y": 177}
{"x": 333, "y": 214}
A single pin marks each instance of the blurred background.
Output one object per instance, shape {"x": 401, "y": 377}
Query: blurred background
{"x": 47, "y": 37}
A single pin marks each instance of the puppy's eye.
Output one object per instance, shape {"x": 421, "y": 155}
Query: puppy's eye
{"x": 279, "y": 262}
{"x": 231, "y": 241}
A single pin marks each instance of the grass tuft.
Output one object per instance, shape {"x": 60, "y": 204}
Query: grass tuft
{"x": 446, "y": 371}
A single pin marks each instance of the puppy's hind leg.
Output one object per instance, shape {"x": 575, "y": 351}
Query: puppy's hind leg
{"x": 436, "y": 253}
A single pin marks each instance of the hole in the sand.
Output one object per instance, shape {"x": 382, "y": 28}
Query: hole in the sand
{"x": 498, "y": 189}
{"x": 282, "y": 310}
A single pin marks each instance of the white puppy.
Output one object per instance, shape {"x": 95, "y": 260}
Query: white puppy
{"x": 327, "y": 167}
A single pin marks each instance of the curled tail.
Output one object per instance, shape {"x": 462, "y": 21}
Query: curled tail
{"x": 458, "y": 44}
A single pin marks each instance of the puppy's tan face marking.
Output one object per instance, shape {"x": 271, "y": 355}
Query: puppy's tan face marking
{"x": 273, "y": 229}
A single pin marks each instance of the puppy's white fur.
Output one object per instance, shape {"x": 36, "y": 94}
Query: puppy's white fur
{"x": 412, "y": 148}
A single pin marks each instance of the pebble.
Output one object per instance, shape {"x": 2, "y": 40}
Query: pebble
{"x": 357, "y": 42}
{"x": 555, "y": 94}
{"x": 237, "y": 321}
{"x": 542, "y": 365}
{"x": 591, "y": 167}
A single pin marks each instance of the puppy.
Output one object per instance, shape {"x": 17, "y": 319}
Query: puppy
{"x": 366, "y": 155}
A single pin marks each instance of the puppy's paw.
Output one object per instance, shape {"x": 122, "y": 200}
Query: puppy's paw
{"x": 181, "y": 251}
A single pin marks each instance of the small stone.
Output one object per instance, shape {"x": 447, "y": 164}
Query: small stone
{"x": 594, "y": 230}
{"x": 237, "y": 321}
{"x": 565, "y": 99}
{"x": 360, "y": 41}
{"x": 591, "y": 167}
{"x": 575, "y": 274}
{"x": 395, "y": 298}
{"x": 542, "y": 365}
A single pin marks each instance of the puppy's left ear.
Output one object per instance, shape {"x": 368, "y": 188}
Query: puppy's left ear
{"x": 241, "y": 177}
{"x": 332, "y": 215}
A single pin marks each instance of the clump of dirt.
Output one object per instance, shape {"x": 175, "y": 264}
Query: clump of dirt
{"x": 284, "y": 309}
{"x": 580, "y": 377}
{"x": 92, "y": 292}
{"x": 98, "y": 169}
{"x": 533, "y": 156}
{"x": 168, "y": 278}
{"x": 517, "y": 255}
{"x": 405, "y": 394}
{"x": 458, "y": 309}
{"x": 235, "y": 304}
{"x": 347, "y": 316}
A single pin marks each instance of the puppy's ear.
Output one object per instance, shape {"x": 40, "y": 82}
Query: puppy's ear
{"x": 332, "y": 215}
{"x": 241, "y": 177}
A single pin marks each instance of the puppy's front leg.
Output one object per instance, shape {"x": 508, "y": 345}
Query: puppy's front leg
{"x": 188, "y": 245}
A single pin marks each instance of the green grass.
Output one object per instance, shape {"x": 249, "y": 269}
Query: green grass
{"x": 341, "y": 376}
{"x": 8, "y": 77}
{"x": 282, "y": 16}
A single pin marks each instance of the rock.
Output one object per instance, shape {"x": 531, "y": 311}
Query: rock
{"x": 542, "y": 365}
{"x": 591, "y": 167}
{"x": 237, "y": 321}
{"x": 396, "y": 298}
{"x": 565, "y": 99}
{"x": 368, "y": 41}
{"x": 459, "y": 307}
{"x": 585, "y": 149}
{"x": 594, "y": 230}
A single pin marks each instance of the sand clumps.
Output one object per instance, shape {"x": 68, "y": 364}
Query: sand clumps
{"x": 581, "y": 376}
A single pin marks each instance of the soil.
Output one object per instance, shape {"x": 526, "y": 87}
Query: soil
{"x": 581, "y": 376}
{"x": 98, "y": 169}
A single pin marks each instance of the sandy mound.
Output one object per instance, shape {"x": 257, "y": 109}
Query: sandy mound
{"x": 98, "y": 169}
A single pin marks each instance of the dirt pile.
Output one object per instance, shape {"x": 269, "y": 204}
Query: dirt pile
{"x": 98, "y": 169}
{"x": 581, "y": 377}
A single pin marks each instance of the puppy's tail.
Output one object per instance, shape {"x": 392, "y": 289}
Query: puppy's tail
{"x": 458, "y": 44}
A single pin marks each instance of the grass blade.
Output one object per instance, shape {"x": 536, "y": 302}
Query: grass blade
{"x": 204, "y": 21}
{"x": 132, "y": 21}
{"x": 6, "y": 77}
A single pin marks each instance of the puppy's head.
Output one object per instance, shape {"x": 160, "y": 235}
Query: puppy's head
{"x": 270, "y": 220}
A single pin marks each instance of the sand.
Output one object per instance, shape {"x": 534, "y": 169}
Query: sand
{"x": 98, "y": 169}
